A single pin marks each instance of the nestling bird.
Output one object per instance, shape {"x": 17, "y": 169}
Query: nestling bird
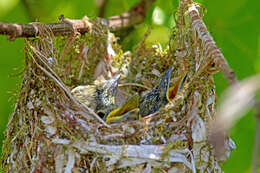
{"x": 152, "y": 101}
{"x": 160, "y": 95}
{"x": 128, "y": 111}
{"x": 100, "y": 97}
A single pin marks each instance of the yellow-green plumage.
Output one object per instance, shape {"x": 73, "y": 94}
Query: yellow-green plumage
{"x": 128, "y": 111}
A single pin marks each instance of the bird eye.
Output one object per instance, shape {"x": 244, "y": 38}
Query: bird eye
{"x": 101, "y": 114}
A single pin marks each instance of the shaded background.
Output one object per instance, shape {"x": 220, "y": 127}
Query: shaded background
{"x": 234, "y": 24}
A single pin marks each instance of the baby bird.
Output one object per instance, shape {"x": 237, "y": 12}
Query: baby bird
{"x": 152, "y": 101}
{"x": 128, "y": 111}
{"x": 161, "y": 94}
{"x": 100, "y": 97}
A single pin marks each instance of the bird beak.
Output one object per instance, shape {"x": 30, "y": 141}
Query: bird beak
{"x": 167, "y": 76}
{"x": 113, "y": 83}
{"x": 165, "y": 82}
{"x": 169, "y": 71}
{"x": 156, "y": 98}
{"x": 172, "y": 92}
{"x": 115, "y": 80}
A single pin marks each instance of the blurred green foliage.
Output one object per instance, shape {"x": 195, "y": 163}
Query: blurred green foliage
{"x": 234, "y": 25}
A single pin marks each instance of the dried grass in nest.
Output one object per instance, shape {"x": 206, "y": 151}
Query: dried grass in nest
{"x": 50, "y": 131}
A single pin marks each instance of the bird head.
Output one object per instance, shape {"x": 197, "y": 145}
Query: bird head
{"x": 105, "y": 95}
{"x": 176, "y": 87}
{"x": 152, "y": 101}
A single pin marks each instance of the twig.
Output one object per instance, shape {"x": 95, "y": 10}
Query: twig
{"x": 102, "y": 8}
{"x": 237, "y": 100}
{"x": 212, "y": 51}
{"x": 135, "y": 16}
{"x": 134, "y": 84}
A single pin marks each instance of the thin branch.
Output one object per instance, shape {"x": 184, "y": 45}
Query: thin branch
{"x": 135, "y": 16}
{"x": 134, "y": 84}
{"x": 102, "y": 8}
{"x": 211, "y": 49}
{"x": 237, "y": 100}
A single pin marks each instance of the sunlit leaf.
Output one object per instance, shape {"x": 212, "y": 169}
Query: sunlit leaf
{"x": 159, "y": 34}
{"x": 158, "y": 16}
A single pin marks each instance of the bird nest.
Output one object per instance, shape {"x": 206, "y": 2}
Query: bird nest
{"x": 50, "y": 130}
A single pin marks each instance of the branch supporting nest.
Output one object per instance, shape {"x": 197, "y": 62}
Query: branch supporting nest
{"x": 211, "y": 49}
{"x": 135, "y": 16}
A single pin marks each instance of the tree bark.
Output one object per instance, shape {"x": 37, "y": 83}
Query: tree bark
{"x": 135, "y": 16}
